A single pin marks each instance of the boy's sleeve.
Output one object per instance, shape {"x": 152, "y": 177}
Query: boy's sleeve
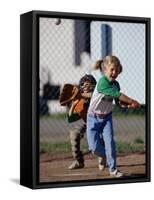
{"x": 105, "y": 87}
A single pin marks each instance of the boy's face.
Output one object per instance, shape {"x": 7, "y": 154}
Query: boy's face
{"x": 111, "y": 72}
{"x": 86, "y": 86}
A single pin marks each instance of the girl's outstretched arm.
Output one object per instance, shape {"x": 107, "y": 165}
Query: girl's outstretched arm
{"x": 129, "y": 100}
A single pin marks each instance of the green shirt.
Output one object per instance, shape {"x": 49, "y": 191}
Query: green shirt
{"x": 109, "y": 88}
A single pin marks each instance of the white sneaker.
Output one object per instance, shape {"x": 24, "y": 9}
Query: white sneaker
{"x": 116, "y": 173}
{"x": 76, "y": 165}
{"x": 101, "y": 163}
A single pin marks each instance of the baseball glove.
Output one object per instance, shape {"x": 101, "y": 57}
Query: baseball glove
{"x": 69, "y": 93}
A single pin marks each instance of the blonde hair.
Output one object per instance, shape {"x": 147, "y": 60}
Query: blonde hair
{"x": 108, "y": 60}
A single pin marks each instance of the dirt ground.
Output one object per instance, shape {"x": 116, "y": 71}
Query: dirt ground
{"x": 54, "y": 168}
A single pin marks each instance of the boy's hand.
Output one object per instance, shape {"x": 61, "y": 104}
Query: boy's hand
{"x": 86, "y": 95}
{"x": 75, "y": 102}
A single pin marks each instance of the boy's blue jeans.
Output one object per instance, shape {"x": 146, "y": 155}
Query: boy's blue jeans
{"x": 96, "y": 128}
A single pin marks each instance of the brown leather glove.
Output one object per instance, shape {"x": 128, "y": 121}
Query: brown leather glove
{"x": 69, "y": 93}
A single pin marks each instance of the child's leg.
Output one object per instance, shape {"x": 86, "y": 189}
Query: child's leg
{"x": 94, "y": 128}
{"x": 75, "y": 137}
{"x": 109, "y": 143}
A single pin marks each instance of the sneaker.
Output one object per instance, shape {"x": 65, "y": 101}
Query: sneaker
{"x": 101, "y": 163}
{"x": 76, "y": 165}
{"x": 116, "y": 173}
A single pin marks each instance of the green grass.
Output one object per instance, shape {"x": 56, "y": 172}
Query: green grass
{"x": 129, "y": 112}
{"x": 57, "y": 147}
{"x": 139, "y": 140}
{"x": 116, "y": 112}
{"x": 122, "y": 147}
{"x": 125, "y": 147}
{"x": 55, "y": 116}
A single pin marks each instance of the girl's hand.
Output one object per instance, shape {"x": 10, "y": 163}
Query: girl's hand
{"x": 134, "y": 104}
{"x": 123, "y": 104}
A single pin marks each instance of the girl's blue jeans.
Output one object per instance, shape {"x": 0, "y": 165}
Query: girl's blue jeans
{"x": 96, "y": 129}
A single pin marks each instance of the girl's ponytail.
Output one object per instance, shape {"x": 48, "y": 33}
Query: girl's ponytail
{"x": 98, "y": 65}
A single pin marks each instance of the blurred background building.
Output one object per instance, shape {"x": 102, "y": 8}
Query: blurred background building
{"x": 70, "y": 48}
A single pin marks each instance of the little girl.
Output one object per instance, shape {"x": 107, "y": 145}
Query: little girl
{"x": 99, "y": 116}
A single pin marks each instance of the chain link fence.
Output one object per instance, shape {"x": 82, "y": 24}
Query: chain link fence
{"x": 69, "y": 50}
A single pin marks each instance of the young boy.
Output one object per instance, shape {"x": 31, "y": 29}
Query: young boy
{"x": 77, "y": 121}
{"x": 99, "y": 117}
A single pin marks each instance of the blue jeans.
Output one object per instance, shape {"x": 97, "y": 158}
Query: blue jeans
{"x": 97, "y": 127}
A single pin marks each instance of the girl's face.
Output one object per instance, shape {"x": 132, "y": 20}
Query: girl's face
{"x": 111, "y": 72}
